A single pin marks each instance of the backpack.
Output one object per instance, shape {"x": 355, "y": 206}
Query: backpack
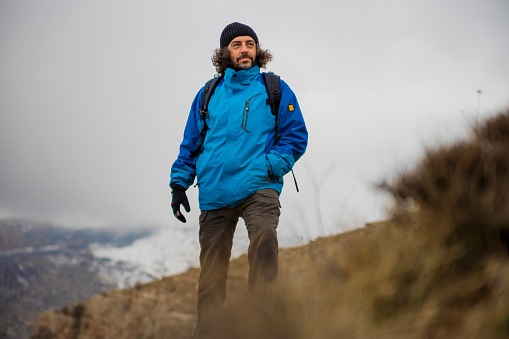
{"x": 273, "y": 87}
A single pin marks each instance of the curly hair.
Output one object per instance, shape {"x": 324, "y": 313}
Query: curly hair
{"x": 221, "y": 59}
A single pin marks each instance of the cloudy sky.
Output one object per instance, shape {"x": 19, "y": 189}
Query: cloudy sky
{"x": 94, "y": 96}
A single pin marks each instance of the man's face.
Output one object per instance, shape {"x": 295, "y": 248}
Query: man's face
{"x": 243, "y": 52}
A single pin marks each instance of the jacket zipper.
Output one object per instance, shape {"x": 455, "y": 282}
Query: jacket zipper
{"x": 246, "y": 113}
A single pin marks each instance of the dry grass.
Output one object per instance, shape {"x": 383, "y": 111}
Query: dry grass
{"x": 438, "y": 269}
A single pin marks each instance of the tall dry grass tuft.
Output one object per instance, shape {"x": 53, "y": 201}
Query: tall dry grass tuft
{"x": 437, "y": 269}
{"x": 466, "y": 184}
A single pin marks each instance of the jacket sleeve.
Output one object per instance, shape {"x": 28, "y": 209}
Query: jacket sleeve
{"x": 183, "y": 170}
{"x": 292, "y": 134}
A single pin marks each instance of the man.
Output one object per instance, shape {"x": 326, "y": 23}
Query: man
{"x": 240, "y": 167}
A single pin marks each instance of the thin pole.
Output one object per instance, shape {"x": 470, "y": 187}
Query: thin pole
{"x": 478, "y": 106}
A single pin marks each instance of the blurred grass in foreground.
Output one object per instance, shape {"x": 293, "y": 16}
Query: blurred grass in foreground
{"x": 438, "y": 268}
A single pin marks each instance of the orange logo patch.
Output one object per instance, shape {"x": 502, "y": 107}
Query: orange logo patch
{"x": 290, "y": 107}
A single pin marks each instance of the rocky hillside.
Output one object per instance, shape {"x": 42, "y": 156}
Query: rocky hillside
{"x": 437, "y": 268}
{"x": 165, "y": 308}
{"x": 43, "y": 266}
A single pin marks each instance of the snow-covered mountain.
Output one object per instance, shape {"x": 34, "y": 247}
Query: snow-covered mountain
{"x": 167, "y": 251}
{"x": 44, "y": 266}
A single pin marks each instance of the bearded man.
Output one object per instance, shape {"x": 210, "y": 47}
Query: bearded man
{"x": 239, "y": 166}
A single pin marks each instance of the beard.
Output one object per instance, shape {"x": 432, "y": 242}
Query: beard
{"x": 239, "y": 66}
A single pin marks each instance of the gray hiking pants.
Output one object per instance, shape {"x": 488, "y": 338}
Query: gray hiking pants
{"x": 217, "y": 227}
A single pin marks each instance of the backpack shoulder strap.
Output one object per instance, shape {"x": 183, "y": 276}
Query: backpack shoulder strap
{"x": 208, "y": 90}
{"x": 273, "y": 86}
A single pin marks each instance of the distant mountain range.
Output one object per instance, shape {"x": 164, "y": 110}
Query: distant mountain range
{"x": 44, "y": 266}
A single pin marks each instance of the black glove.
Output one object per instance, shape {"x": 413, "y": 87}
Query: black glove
{"x": 179, "y": 198}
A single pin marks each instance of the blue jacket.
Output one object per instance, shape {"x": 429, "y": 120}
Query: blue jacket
{"x": 240, "y": 155}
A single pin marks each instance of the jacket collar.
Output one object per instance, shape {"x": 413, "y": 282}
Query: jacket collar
{"x": 235, "y": 79}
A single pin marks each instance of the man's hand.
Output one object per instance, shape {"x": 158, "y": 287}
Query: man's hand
{"x": 179, "y": 198}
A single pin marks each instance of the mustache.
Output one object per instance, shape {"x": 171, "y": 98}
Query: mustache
{"x": 244, "y": 55}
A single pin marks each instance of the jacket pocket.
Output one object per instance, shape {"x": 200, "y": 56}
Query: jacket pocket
{"x": 245, "y": 115}
{"x": 203, "y": 215}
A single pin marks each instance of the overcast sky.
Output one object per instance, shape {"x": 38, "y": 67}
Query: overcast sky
{"x": 94, "y": 96}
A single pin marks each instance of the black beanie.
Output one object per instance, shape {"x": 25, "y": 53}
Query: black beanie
{"x": 234, "y": 30}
